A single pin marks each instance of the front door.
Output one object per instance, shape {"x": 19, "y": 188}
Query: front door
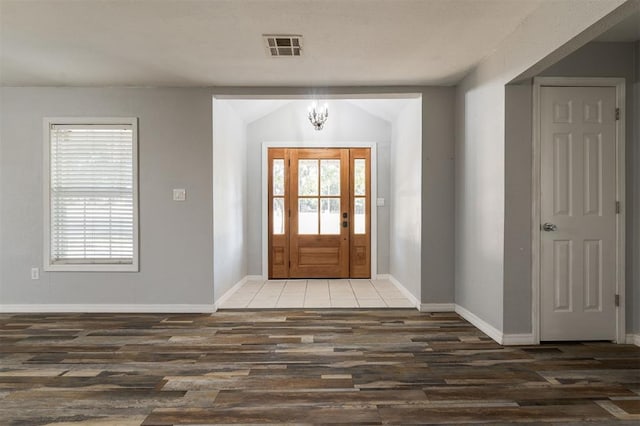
{"x": 578, "y": 212}
{"x": 319, "y": 221}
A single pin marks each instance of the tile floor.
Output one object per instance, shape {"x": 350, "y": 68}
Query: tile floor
{"x": 350, "y": 293}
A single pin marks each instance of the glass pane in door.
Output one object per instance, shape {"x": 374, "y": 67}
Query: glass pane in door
{"x": 278, "y": 216}
{"x": 359, "y": 221}
{"x": 359, "y": 176}
{"x": 330, "y": 177}
{"x": 330, "y": 216}
{"x": 307, "y": 216}
{"x": 278, "y": 177}
{"x": 307, "y": 177}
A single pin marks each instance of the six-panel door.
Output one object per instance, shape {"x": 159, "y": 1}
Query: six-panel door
{"x": 578, "y": 237}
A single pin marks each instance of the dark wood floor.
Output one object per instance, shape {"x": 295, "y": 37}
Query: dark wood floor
{"x": 338, "y": 366}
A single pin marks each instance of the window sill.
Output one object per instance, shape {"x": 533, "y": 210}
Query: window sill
{"x": 93, "y": 267}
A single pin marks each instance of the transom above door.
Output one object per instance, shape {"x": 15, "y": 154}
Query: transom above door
{"x": 319, "y": 213}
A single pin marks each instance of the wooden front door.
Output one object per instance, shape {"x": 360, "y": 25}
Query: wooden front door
{"x": 319, "y": 213}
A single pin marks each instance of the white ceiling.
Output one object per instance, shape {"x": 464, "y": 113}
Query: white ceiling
{"x": 251, "y": 110}
{"x": 218, "y": 42}
{"x": 386, "y": 108}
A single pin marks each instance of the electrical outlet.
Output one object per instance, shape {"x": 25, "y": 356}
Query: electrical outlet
{"x": 35, "y": 273}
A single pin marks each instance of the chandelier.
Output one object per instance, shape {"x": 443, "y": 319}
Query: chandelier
{"x": 318, "y": 115}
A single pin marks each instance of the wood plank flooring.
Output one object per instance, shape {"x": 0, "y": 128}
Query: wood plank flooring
{"x": 391, "y": 366}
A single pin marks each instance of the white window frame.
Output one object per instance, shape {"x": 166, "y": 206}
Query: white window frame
{"x": 87, "y": 267}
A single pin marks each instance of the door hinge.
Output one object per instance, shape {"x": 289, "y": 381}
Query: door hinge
{"x": 617, "y": 114}
{"x": 289, "y": 212}
{"x": 617, "y": 300}
{"x": 617, "y": 207}
{"x": 289, "y": 264}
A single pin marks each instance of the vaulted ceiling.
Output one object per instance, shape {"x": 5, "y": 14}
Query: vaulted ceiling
{"x": 218, "y": 42}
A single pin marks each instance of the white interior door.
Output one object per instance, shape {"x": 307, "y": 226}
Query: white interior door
{"x": 578, "y": 213}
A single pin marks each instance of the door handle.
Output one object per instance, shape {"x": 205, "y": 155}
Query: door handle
{"x": 344, "y": 224}
{"x": 549, "y": 227}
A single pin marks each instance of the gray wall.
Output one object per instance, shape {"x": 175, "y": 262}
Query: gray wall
{"x": 592, "y": 60}
{"x": 175, "y": 237}
{"x": 176, "y": 243}
{"x": 347, "y": 123}
{"x": 437, "y": 250}
{"x": 517, "y": 222}
{"x": 229, "y": 198}
{"x": 406, "y": 204}
{"x": 633, "y": 291}
{"x": 479, "y": 192}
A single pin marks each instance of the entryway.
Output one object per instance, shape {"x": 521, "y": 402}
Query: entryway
{"x": 379, "y": 136}
{"x": 319, "y": 212}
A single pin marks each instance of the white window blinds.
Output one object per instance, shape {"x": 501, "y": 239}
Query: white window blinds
{"x": 91, "y": 182}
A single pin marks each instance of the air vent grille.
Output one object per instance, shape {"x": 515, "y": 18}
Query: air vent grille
{"x": 279, "y": 45}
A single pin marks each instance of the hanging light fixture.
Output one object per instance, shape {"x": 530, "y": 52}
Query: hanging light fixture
{"x": 318, "y": 115}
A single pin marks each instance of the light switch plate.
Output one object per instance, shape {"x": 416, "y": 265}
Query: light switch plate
{"x": 179, "y": 194}
{"x": 380, "y": 202}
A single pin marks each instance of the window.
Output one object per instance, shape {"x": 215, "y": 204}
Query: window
{"x": 359, "y": 191}
{"x": 91, "y": 179}
{"x": 319, "y": 197}
{"x": 278, "y": 196}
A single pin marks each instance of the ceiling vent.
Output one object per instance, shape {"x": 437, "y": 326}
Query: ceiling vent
{"x": 278, "y": 45}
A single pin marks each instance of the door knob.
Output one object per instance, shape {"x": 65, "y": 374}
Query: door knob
{"x": 549, "y": 227}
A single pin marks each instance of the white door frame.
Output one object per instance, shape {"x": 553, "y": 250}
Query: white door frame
{"x": 619, "y": 84}
{"x": 265, "y": 201}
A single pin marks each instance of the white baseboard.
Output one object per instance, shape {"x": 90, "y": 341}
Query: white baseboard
{"x": 633, "y": 339}
{"x": 484, "y": 326}
{"x": 518, "y": 339}
{"x": 107, "y": 308}
{"x": 437, "y": 307}
{"x": 254, "y": 278}
{"x": 422, "y": 307}
{"x": 406, "y": 293}
{"x": 497, "y": 335}
{"x": 227, "y": 294}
